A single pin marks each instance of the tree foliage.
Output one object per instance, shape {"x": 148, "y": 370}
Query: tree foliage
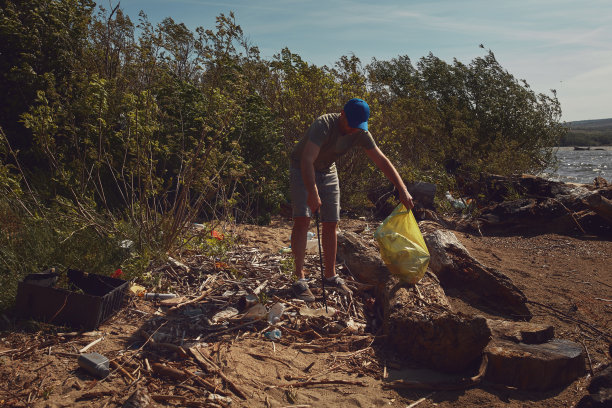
{"x": 139, "y": 129}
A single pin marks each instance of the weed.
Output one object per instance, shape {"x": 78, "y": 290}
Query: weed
{"x": 47, "y": 393}
{"x": 262, "y": 297}
{"x": 287, "y": 266}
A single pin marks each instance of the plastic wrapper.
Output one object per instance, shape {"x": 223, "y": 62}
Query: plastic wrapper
{"x": 402, "y": 247}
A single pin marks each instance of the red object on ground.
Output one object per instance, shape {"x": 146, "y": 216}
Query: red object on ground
{"x": 217, "y": 235}
{"x": 117, "y": 273}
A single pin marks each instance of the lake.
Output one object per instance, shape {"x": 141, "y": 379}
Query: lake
{"x": 582, "y": 166}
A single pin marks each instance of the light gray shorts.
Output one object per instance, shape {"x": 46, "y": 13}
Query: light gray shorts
{"x": 329, "y": 192}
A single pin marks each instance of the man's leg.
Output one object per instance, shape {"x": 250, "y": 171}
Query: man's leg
{"x": 298, "y": 243}
{"x": 330, "y": 242}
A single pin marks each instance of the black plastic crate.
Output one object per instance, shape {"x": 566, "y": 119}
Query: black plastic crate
{"x": 98, "y": 299}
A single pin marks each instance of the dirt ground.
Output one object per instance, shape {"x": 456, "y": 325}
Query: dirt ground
{"x": 567, "y": 279}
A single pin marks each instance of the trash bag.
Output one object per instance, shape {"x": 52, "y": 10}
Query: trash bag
{"x": 402, "y": 246}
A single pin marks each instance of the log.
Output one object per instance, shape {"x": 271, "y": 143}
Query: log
{"x": 534, "y": 366}
{"x": 521, "y": 332}
{"x": 418, "y": 320}
{"x": 544, "y": 206}
{"x": 601, "y": 205}
{"x": 362, "y": 260}
{"x": 468, "y": 279}
{"x": 442, "y": 340}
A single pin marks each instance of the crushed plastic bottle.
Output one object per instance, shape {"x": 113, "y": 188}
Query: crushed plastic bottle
{"x": 311, "y": 245}
{"x": 456, "y": 203}
{"x": 275, "y": 313}
{"x": 273, "y": 334}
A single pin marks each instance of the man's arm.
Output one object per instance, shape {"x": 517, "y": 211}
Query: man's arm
{"x": 383, "y": 163}
{"x": 310, "y": 153}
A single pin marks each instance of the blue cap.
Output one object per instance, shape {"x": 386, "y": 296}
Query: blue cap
{"x": 357, "y": 113}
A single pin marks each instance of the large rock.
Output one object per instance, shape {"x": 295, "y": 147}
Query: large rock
{"x": 553, "y": 364}
{"x": 468, "y": 278}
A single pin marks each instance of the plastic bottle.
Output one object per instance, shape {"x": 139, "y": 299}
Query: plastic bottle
{"x": 160, "y": 296}
{"x": 273, "y": 334}
{"x": 311, "y": 242}
{"x": 275, "y": 313}
{"x": 95, "y": 364}
{"x": 311, "y": 245}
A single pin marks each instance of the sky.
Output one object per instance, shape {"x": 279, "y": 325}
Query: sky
{"x": 564, "y": 45}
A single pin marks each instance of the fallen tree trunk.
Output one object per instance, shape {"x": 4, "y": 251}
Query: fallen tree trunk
{"x": 601, "y": 205}
{"x": 419, "y": 322}
{"x": 417, "y": 319}
{"x": 468, "y": 279}
{"x": 544, "y": 206}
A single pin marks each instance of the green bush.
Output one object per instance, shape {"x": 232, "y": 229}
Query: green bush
{"x": 122, "y": 131}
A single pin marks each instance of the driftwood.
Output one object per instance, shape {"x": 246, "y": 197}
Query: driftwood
{"x": 521, "y": 332}
{"x": 208, "y": 365}
{"x": 545, "y": 366}
{"x": 419, "y": 321}
{"x": 526, "y": 356}
{"x": 416, "y": 319}
{"x": 601, "y": 205}
{"x": 544, "y": 206}
{"x": 467, "y": 278}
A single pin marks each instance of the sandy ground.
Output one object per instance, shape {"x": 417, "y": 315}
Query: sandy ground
{"x": 570, "y": 277}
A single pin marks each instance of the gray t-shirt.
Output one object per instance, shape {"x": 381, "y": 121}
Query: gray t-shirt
{"x": 325, "y": 133}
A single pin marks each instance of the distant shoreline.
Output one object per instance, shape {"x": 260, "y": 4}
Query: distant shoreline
{"x": 586, "y": 147}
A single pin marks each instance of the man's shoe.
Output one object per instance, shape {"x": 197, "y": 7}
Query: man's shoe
{"x": 337, "y": 282}
{"x": 302, "y": 291}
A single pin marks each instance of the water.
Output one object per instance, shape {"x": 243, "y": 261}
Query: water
{"x": 582, "y": 166}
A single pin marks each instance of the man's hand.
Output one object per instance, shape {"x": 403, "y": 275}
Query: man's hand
{"x": 310, "y": 153}
{"x": 314, "y": 201}
{"x": 406, "y": 199}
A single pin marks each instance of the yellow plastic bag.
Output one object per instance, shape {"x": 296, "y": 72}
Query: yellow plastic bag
{"x": 402, "y": 246}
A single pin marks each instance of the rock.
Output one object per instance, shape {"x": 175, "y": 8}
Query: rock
{"x": 468, "y": 278}
{"x": 600, "y": 391}
{"x": 521, "y": 332}
{"x": 534, "y": 366}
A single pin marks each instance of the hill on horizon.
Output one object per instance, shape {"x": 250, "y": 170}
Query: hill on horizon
{"x": 594, "y": 132}
{"x": 591, "y": 124}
